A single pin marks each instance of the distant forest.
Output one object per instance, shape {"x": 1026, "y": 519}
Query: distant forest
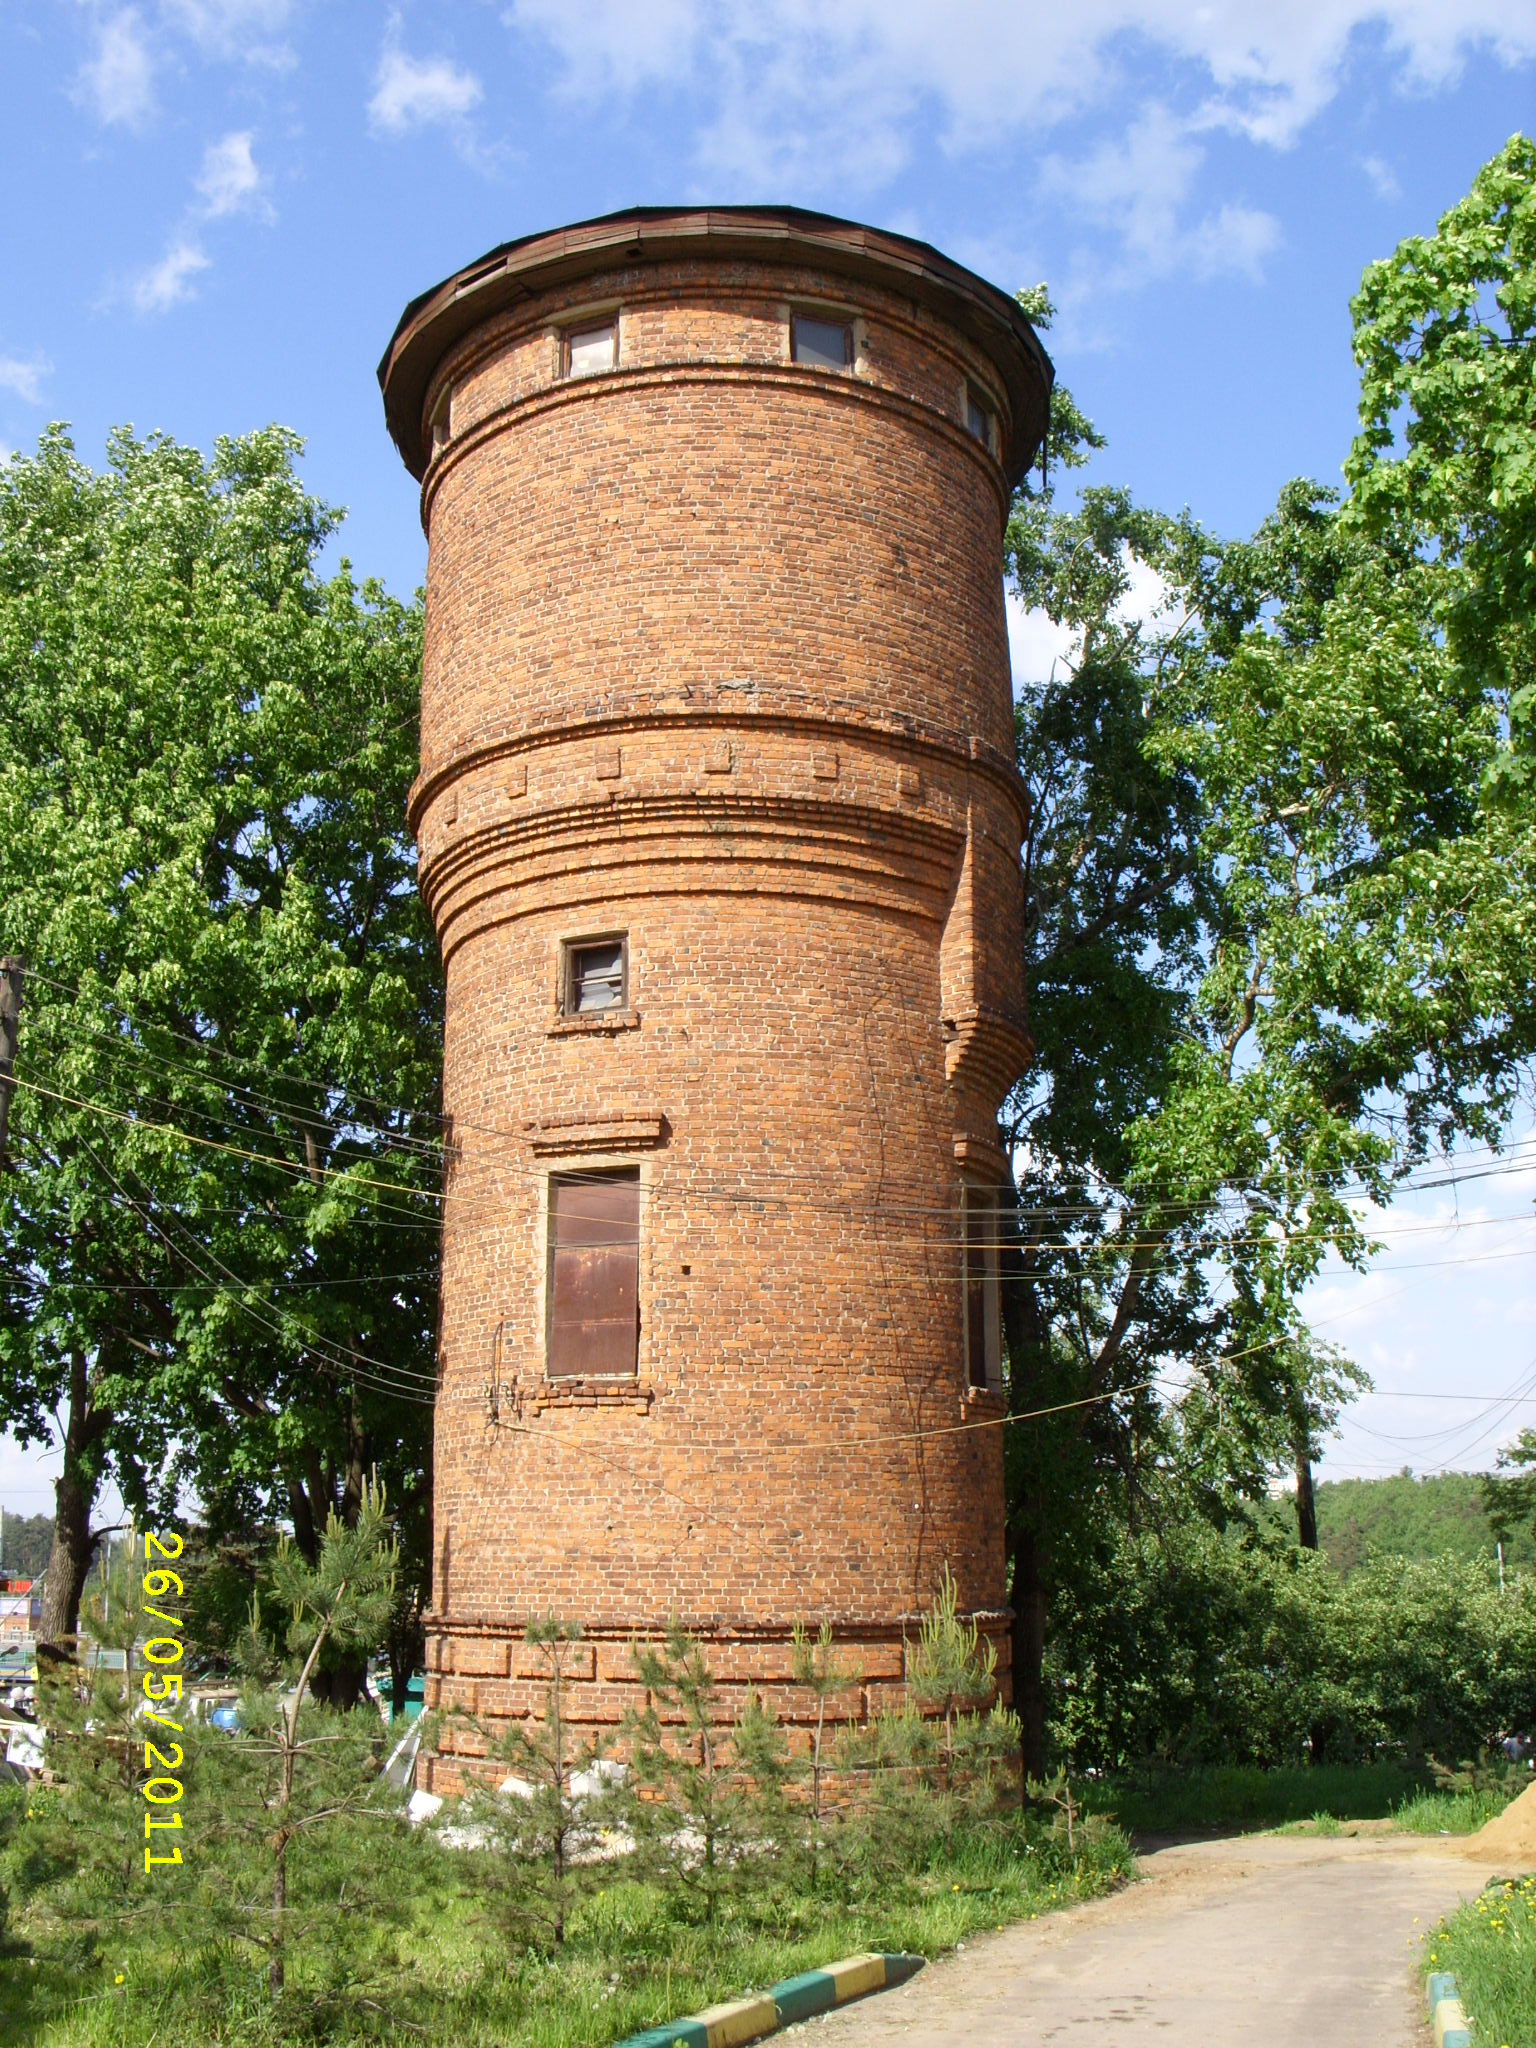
{"x": 1419, "y": 1518}
{"x": 25, "y": 1541}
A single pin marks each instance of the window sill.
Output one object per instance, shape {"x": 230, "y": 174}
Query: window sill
{"x": 990, "y": 1397}
{"x": 601, "y": 1024}
{"x": 633, "y": 1395}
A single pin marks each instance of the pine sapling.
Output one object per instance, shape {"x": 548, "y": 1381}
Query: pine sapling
{"x": 822, "y": 1673}
{"x": 319, "y": 1768}
{"x": 709, "y": 1805}
{"x": 547, "y": 1821}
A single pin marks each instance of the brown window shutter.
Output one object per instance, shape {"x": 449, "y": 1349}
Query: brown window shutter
{"x": 594, "y": 1276}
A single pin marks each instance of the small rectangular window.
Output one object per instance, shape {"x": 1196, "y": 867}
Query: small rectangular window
{"x": 983, "y": 1303}
{"x": 978, "y": 418}
{"x": 826, "y": 344}
{"x": 596, "y": 977}
{"x": 442, "y": 421}
{"x": 591, "y": 350}
{"x": 594, "y": 1274}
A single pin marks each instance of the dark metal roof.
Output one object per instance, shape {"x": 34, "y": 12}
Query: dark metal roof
{"x": 432, "y": 323}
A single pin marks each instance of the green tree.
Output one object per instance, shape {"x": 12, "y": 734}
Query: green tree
{"x": 298, "y": 1768}
{"x": 1281, "y": 920}
{"x": 542, "y": 1826}
{"x": 821, "y": 1672}
{"x": 710, "y": 1814}
{"x": 218, "y": 1239}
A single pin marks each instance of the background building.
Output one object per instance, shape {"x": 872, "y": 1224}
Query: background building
{"x": 719, "y": 825}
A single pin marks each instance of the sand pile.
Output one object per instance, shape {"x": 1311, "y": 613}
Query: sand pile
{"x": 1510, "y": 1837}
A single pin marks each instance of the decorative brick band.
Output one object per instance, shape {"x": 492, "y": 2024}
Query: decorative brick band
{"x": 786, "y": 2005}
{"x": 1447, "y": 2015}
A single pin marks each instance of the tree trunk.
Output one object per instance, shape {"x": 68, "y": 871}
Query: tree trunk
{"x": 1030, "y": 1603}
{"x": 1306, "y": 1499}
{"x": 279, "y": 1909}
{"x": 74, "y": 1547}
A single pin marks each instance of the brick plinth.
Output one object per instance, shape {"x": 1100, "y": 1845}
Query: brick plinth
{"x": 716, "y": 659}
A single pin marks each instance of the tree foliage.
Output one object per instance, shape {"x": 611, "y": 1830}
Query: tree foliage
{"x": 218, "y": 1238}
{"x": 1281, "y": 918}
{"x": 1200, "y": 1648}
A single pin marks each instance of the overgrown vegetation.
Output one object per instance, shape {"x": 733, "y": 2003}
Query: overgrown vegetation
{"x": 1221, "y": 1799}
{"x": 1195, "y": 1649}
{"x": 1489, "y": 1946}
{"x": 307, "y": 1908}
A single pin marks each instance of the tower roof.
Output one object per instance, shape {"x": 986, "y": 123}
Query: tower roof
{"x": 518, "y": 270}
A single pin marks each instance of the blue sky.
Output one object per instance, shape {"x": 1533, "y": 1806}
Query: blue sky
{"x": 228, "y": 202}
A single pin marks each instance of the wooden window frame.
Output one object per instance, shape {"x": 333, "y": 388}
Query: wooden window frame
{"x": 810, "y": 317}
{"x": 558, "y": 1369}
{"x": 570, "y": 950}
{"x": 584, "y": 329}
{"x": 977, "y": 404}
{"x": 442, "y": 420}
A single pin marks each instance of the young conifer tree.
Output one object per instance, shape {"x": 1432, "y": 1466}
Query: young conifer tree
{"x": 82, "y": 1846}
{"x": 952, "y": 1676}
{"x": 555, "y": 1813}
{"x": 299, "y": 1772}
{"x": 710, "y": 1816}
{"x": 821, "y": 1672}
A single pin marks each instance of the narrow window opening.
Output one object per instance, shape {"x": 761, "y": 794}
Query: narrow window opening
{"x": 983, "y": 1304}
{"x": 825, "y": 344}
{"x": 591, "y": 350}
{"x": 594, "y": 1274}
{"x": 978, "y": 417}
{"x": 596, "y": 977}
{"x": 442, "y": 421}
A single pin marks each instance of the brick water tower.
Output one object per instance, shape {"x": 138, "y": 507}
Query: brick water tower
{"x": 719, "y": 826}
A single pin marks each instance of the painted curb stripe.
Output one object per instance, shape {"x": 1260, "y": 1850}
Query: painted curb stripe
{"x": 797, "y": 1998}
{"x": 1447, "y": 2016}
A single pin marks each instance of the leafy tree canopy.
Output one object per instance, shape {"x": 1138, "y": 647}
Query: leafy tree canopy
{"x": 216, "y": 1241}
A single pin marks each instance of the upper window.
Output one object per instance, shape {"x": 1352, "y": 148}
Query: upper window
{"x": 978, "y": 417}
{"x": 596, "y": 977}
{"x": 983, "y": 1304}
{"x": 826, "y": 344}
{"x": 594, "y": 1274}
{"x": 442, "y": 421}
{"x": 589, "y": 350}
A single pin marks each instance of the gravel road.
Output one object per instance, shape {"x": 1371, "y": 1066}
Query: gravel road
{"x": 1255, "y": 1942}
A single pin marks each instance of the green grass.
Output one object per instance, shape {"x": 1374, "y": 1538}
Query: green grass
{"x": 438, "y": 1972}
{"x": 1461, "y": 1812}
{"x": 1244, "y": 1799}
{"x": 1489, "y": 1946}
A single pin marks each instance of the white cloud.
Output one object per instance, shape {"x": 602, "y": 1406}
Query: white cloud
{"x": 1382, "y": 177}
{"x": 168, "y": 282}
{"x": 229, "y": 181}
{"x": 1137, "y": 187}
{"x": 416, "y": 92}
{"x": 818, "y": 94}
{"x": 244, "y": 29}
{"x": 1037, "y": 646}
{"x": 1446, "y": 1309}
{"x": 24, "y": 377}
{"x": 118, "y": 81}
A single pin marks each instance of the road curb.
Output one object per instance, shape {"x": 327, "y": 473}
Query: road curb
{"x": 797, "y": 1998}
{"x": 1446, "y": 2014}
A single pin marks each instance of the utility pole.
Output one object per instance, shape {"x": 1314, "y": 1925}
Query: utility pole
{"x": 12, "y": 969}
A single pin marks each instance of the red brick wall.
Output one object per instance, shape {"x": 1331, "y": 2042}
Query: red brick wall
{"x": 716, "y": 656}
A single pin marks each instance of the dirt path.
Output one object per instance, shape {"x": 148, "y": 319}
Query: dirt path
{"x": 1255, "y": 1942}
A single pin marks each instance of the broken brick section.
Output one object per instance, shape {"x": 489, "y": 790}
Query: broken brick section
{"x": 716, "y": 663}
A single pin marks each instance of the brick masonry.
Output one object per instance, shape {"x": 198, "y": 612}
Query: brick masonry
{"x": 716, "y": 657}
